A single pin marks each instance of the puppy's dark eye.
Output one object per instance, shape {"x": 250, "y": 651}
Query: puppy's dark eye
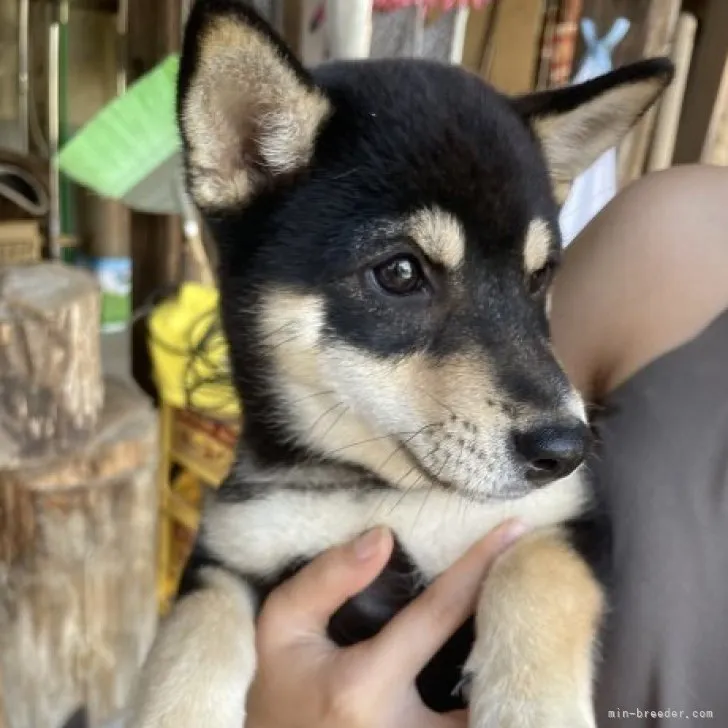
{"x": 540, "y": 280}
{"x": 400, "y": 276}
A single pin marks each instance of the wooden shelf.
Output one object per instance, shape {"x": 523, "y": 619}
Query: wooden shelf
{"x": 106, "y": 6}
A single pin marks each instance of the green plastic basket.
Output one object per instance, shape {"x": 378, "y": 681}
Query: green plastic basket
{"x": 130, "y": 151}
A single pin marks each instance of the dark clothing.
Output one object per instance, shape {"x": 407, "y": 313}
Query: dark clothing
{"x": 663, "y": 466}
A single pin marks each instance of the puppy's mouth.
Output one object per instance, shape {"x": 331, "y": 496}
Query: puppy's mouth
{"x": 499, "y": 496}
{"x": 434, "y": 478}
{"x": 508, "y": 492}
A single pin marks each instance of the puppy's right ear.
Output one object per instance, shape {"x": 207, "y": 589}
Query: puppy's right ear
{"x": 247, "y": 109}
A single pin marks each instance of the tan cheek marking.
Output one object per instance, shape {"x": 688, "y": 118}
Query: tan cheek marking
{"x": 461, "y": 386}
{"x": 440, "y": 236}
{"x": 537, "y": 247}
{"x": 432, "y": 390}
{"x": 464, "y": 385}
{"x": 290, "y": 328}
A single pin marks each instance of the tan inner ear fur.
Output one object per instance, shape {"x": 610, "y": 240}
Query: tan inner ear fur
{"x": 246, "y": 110}
{"x": 571, "y": 142}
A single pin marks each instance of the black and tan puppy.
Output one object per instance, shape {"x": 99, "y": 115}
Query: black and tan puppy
{"x": 387, "y": 234}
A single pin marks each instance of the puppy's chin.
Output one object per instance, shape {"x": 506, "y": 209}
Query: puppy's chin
{"x": 496, "y": 494}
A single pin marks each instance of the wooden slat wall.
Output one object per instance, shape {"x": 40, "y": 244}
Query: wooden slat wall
{"x": 154, "y": 32}
{"x": 706, "y": 68}
{"x": 704, "y": 79}
{"x": 715, "y": 149}
{"x": 515, "y": 49}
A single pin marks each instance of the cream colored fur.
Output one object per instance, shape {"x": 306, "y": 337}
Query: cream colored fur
{"x": 451, "y": 413}
{"x": 242, "y": 85}
{"x": 572, "y": 141}
{"x": 202, "y": 662}
{"x": 433, "y": 525}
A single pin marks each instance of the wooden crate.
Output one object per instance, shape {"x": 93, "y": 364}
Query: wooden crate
{"x": 197, "y": 452}
{"x": 203, "y": 445}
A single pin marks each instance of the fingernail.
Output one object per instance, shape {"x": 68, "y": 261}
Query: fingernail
{"x": 368, "y": 543}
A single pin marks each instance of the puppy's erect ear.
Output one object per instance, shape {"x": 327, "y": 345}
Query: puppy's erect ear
{"x": 577, "y": 124}
{"x": 248, "y": 111}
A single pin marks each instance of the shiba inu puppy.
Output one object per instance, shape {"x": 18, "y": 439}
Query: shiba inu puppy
{"x": 387, "y": 235}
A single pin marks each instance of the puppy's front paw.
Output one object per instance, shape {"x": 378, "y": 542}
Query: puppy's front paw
{"x": 202, "y": 662}
{"x": 191, "y": 708}
{"x": 502, "y": 695}
{"x": 536, "y": 623}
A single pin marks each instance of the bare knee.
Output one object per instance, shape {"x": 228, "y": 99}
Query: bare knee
{"x": 644, "y": 277}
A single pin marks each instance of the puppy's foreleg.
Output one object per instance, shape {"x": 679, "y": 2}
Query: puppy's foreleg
{"x": 202, "y": 662}
{"x": 536, "y": 628}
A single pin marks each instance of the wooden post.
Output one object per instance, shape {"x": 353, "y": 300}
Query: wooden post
{"x": 668, "y": 117}
{"x": 78, "y": 606}
{"x": 661, "y": 22}
{"x": 51, "y": 387}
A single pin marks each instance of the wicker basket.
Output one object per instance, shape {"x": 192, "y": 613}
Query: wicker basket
{"x": 20, "y": 243}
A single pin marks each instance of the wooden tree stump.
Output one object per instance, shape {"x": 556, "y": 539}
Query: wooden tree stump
{"x": 51, "y": 386}
{"x": 78, "y": 606}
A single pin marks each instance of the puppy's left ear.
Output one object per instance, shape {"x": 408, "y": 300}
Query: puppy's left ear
{"x": 248, "y": 111}
{"x": 577, "y": 124}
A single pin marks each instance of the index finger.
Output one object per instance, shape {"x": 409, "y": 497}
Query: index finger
{"x": 410, "y": 640}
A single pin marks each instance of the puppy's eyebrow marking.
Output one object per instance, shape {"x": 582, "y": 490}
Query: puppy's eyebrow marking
{"x": 439, "y": 234}
{"x": 537, "y": 245}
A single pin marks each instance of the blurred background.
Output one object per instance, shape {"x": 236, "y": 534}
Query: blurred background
{"x": 116, "y": 410}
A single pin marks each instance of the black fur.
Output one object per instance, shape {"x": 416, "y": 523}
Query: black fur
{"x": 401, "y": 136}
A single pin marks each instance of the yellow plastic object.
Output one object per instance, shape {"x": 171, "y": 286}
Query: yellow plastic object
{"x": 190, "y": 354}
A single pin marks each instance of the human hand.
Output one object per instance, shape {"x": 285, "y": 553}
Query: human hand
{"x": 303, "y": 680}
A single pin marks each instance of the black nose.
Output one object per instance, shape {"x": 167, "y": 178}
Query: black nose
{"x": 554, "y": 450}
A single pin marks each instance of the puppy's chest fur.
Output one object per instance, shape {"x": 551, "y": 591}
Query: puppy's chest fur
{"x": 265, "y": 523}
